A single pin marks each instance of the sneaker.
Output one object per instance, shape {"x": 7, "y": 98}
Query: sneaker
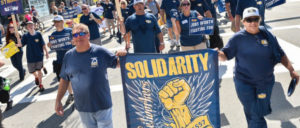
{"x": 41, "y": 88}
{"x": 70, "y": 99}
{"x": 37, "y": 82}
{"x": 172, "y": 43}
{"x": 177, "y": 43}
{"x": 45, "y": 70}
{"x": 9, "y": 105}
{"x": 111, "y": 36}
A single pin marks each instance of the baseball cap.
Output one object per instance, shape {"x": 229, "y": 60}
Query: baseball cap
{"x": 75, "y": 2}
{"x": 29, "y": 22}
{"x": 251, "y": 11}
{"x": 58, "y": 18}
{"x": 138, "y": 1}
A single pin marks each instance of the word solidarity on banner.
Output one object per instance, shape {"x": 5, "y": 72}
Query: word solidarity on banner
{"x": 70, "y": 14}
{"x": 201, "y": 27}
{"x": 59, "y": 42}
{"x": 178, "y": 90}
{"x": 273, "y": 3}
{"x": 10, "y": 49}
{"x": 11, "y": 7}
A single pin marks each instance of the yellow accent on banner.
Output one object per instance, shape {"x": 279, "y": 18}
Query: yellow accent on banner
{"x": 95, "y": 1}
{"x": 10, "y": 49}
{"x": 77, "y": 20}
{"x": 160, "y": 22}
{"x": 200, "y": 122}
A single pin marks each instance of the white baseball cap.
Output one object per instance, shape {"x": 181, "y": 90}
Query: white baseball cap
{"x": 58, "y": 18}
{"x": 251, "y": 11}
{"x": 138, "y": 1}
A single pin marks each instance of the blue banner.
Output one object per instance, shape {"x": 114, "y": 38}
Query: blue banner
{"x": 11, "y": 7}
{"x": 60, "y": 42}
{"x": 171, "y": 90}
{"x": 273, "y": 3}
{"x": 221, "y": 6}
{"x": 201, "y": 27}
{"x": 70, "y": 13}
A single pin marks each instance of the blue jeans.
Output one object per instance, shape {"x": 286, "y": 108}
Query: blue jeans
{"x": 256, "y": 101}
{"x": 99, "y": 119}
{"x": 16, "y": 61}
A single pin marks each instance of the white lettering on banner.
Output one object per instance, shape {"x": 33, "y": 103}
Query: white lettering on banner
{"x": 11, "y": 8}
{"x": 271, "y": 3}
{"x": 197, "y": 29}
{"x": 195, "y": 24}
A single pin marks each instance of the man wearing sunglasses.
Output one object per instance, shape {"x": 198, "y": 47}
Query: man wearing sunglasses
{"x": 256, "y": 53}
{"x": 144, "y": 28}
{"x": 242, "y": 5}
{"x": 85, "y": 66}
{"x": 92, "y": 20}
{"x": 66, "y": 32}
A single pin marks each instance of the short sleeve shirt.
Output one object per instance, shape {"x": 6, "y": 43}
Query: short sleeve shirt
{"x": 253, "y": 57}
{"x": 200, "y": 6}
{"x": 61, "y": 53}
{"x": 108, "y": 10}
{"x": 144, "y": 29}
{"x": 168, "y": 5}
{"x": 185, "y": 38}
{"x": 34, "y": 49}
{"x": 87, "y": 71}
{"x": 93, "y": 26}
{"x": 125, "y": 13}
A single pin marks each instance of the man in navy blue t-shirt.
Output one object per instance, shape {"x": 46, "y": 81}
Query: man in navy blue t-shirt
{"x": 91, "y": 20}
{"x": 144, "y": 28}
{"x": 109, "y": 14}
{"x": 60, "y": 53}
{"x": 85, "y": 66}
{"x": 34, "y": 53}
{"x": 256, "y": 52}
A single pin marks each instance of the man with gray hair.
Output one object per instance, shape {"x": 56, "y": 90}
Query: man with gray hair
{"x": 91, "y": 20}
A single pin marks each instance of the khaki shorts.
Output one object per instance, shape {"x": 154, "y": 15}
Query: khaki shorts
{"x": 32, "y": 67}
{"x": 109, "y": 22}
{"x": 202, "y": 45}
{"x": 96, "y": 41}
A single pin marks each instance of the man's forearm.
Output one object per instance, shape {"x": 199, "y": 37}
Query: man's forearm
{"x": 62, "y": 88}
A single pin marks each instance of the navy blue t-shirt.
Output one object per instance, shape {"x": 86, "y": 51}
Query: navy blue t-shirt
{"x": 93, "y": 26}
{"x": 34, "y": 49}
{"x": 185, "y": 38}
{"x": 108, "y": 10}
{"x": 233, "y": 4}
{"x": 168, "y": 5}
{"x": 143, "y": 29}
{"x": 61, "y": 53}
{"x": 259, "y": 4}
{"x": 87, "y": 71}
{"x": 125, "y": 13}
{"x": 253, "y": 57}
{"x": 200, "y": 6}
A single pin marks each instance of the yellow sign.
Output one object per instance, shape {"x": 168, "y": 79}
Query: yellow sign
{"x": 10, "y": 49}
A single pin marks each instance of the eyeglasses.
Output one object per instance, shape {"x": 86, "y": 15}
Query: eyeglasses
{"x": 75, "y": 35}
{"x": 249, "y": 20}
{"x": 185, "y": 4}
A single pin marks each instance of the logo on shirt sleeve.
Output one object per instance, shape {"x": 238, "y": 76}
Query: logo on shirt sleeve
{"x": 94, "y": 62}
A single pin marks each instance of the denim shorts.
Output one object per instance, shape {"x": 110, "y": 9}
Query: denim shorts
{"x": 99, "y": 119}
{"x": 169, "y": 23}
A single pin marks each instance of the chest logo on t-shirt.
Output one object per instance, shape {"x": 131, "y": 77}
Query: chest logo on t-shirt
{"x": 94, "y": 62}
{"x": 264, "y": 42}
{"x": 36, "y": 40}
{"x": 199, "y": 4}
{"x": 148, "y": 21}
{"x": 184, "y": 21}
{"x": 259, "y": 2}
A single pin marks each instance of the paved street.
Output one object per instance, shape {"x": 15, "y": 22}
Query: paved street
{"x": 34, "y": 109}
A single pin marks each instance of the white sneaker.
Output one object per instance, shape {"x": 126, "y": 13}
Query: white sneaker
{"x": 177, "y": 43}
{"x": 173, "y": 43}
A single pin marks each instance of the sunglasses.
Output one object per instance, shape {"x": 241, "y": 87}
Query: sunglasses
{"x": 75, "y": 35}
{"x": 185, "y": 4}
{"x": 10, "y": 27}
{"x": 83, "y": 8}
{"x": 249, "y": 20}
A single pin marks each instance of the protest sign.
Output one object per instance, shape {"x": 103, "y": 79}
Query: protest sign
{"x": 70, "y": 14}
{"x": 201, "y": 27}
{"x": 60, "y": 42}
{"x": 221, "y": 6}
{"x": 11, "y": 7}
{"x": 10, "y": 49}
{"x": 273, "y": 3}
{"x": 171, "y": 90}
